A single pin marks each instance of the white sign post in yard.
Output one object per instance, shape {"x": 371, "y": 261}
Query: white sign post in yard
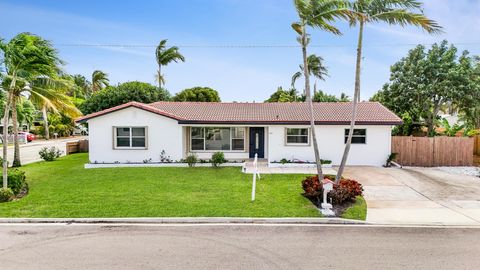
{"x": 326, "y": 208}
{"x": 255, "y": 173}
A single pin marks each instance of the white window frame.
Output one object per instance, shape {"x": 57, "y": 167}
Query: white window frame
{"x": 204, "y": 128}
{"x": 297, "y": 144}
{"x": 130, "y": 136}
{"x": 345, "y": 137}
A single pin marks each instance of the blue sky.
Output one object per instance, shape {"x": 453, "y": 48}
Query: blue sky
{"x": 239, "y": 74}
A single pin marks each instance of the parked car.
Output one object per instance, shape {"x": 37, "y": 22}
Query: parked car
{"x": 30, "y": 137}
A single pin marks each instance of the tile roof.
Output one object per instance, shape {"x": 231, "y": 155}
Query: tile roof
{"x": 369, "y": 113}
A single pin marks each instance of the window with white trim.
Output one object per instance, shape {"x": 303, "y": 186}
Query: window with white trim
{"x": 359, "y": 136}
{"x": 217, "y": 139}
{"x": 130, "y": 137}
{"x": 297, "y": 136}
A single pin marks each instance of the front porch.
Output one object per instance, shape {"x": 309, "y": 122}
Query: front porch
{"x": 263, "y": 168}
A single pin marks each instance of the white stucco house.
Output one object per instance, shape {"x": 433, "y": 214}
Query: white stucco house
{"x": 134, "y": 131}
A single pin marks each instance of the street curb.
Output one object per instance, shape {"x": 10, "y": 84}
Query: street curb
{"x": 199, "y": 220}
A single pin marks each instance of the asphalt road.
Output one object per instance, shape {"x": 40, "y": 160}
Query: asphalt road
{"x": 236, "y": 247}
{"x": 29, "y": 152}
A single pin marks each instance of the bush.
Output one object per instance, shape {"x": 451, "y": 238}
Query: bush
{"x": 345, "y": 190}
{"x": 50, "y": 154}
{"x": 218, "y": 158}
{"x": 16, "y": 180}
{"x": 191, "y": 160}
{"x": 6, "y": 194}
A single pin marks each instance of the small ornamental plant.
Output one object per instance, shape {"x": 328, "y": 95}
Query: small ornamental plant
{"x": 6, "y": 194}
{"x": 218, "y": 158}
{"x": 191, "y": 160}
{"x": 50, "y": 154}
{"x": 345, "y": 191}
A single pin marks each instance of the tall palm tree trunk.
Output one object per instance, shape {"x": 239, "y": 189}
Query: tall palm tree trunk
{"x": 159, "y": 76}
{"x": 310, "y": 104}
{"x": 45, "y": 123}
{"x": 356, "y": 98}
{"x": 16, "y": 143}
{"x": 5, "y": 141}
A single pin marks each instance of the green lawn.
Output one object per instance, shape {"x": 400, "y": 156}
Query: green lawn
{"x": 357, "y": 211}
{"x": 63, "y": 188}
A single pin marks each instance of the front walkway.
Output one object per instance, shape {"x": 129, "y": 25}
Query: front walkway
{"x": 264, "y": 169}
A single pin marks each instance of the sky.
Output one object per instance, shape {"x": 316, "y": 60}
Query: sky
{"x": 216, "y": 38}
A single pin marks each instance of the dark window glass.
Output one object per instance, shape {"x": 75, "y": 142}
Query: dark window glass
{"x": 197, "y": 144}
{"x": 138, "y": 142}
{"x": 138, "y": 132}
{"x": 123, "y": 131}
{"x": 238, "y": 144}
{"x": 297, "y": 139}
{"x": 359, "y": 136}
{"x": 123, "y": 142}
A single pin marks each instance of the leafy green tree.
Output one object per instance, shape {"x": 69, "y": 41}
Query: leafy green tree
{"x": 320, "y": 96}
{"x": 468, "y": 102}
{"x": 25, "y": 58}
{"x": 392, "y": 12}
{"x": 165, "y": 56}
{"x": 82, "y": 88}
{"x": 123, "y": 93}
{"x": 26, "y": 112}
{"x": 422, "y": 82}
{"x": 283, "y": 95}
{"x": 317, "y": 14}
{"x": 198, "y": 94}
{"x": 49, "y": 95}
{"x": 99, "y": 80}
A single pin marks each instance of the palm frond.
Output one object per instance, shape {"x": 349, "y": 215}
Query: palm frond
{"x": 295, "y": 77}
{"x": 404, "y": 17}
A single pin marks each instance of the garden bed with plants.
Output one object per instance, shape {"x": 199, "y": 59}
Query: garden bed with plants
{"x": 217, "y": 160}
{"x": 346, "y": 196}
{"x": 296, "y": 163}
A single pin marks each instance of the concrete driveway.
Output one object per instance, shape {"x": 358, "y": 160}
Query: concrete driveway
{"x": 418, "y": 196}
{"x": 29, "y": 152}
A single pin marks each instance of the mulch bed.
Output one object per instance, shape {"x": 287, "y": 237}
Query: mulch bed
{"x": 337, "y": 209}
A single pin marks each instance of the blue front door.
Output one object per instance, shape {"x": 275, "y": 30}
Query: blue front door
{"x": 257, "y": 142}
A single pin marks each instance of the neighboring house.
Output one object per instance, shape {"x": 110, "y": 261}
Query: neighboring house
{"x": 134, "y": 131}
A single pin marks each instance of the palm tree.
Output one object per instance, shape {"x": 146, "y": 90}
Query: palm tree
{"x": 25, "y": 57}
{"x": 49, "y": 95}
{"x": 81, "y": 86}
{"x": 318, "y": 14}
{"x": 99, "y": 80}
{"x": 393, "y": 12}
{"x": 164, "y": 56}
{"x": 315, "y": 68}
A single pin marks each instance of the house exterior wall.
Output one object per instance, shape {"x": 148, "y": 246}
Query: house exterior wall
{"x": 163, "y": 133}
{"x": 331, "y": 145}
{"x": 166, "y": 134}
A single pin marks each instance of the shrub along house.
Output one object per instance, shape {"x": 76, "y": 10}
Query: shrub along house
{"x": 134, "y": 132}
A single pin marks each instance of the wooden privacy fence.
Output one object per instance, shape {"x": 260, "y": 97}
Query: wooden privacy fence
{"x": 476, "y": 149}
{"x": 77, "y": 147}
{"x": 436, "y": 151}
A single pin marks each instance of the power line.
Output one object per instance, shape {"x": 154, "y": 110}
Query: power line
{"x": 249, "y": 46}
